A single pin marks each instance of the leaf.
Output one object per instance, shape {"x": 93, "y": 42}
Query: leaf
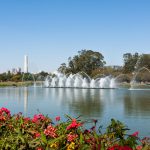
{"x": 70, "y": 118}
{"x": 43, "y": 137}
{"x": 55, "y": 140}
{"x": 21, "y": 138}
{"x": 81, "y": 138}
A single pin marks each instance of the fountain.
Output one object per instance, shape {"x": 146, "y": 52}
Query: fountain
{"x": 141, "y": 79}
{"x": 141, "y": 76}
{"x": 79, "y": 80}
{"x": 39, "y": 80}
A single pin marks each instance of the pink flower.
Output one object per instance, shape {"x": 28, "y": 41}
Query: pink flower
{"x": 4, "y": 114}
{"x": 37, "y": 134}
{"x": 117, "y": 147}
{"x": 50, "y": 131}
{"x": 135, "y": 134}
{"x": 71, "y": 137}
{"x": 38, "y": 117}
{"x": 139, "y": 147}
{"x": 26, "y": 119}
{"x": 2, "y": 118}
{"x": 73, "y": 125}
{"x": 5, "y": 110}
{"x": 57, "y": 118}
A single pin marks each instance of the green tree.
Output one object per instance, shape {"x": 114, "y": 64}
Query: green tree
{"x": 130, "y": 62}
{"x": 16, "y": 78}
{"x": 135, "y": 62}
{"x": 144, "y": 61}
{"x": 3, "y": 77}
{"x": 63, "y": 68}
{"x": 43, "y": 73}
{"x": 86, "y": 61}
{"x": 9, "y": 76}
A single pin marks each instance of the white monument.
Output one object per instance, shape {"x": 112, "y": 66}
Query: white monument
{"x": 25, "y": 64}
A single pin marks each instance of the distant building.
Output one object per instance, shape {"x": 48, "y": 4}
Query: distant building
{"x": 25, "y": 64}
{"x": 16, "y": 70}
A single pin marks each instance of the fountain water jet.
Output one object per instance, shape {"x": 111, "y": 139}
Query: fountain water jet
{"x": 137, "y": 78}
{"x": 79, "y": 80}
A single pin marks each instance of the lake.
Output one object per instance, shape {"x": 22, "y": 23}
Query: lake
{"x": 132, "y": 107}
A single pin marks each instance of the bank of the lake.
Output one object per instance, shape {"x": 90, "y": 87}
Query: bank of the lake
{"x": 15, "y": 84}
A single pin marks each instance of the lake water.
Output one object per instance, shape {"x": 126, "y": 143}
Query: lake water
{"x": 129, "y": 106}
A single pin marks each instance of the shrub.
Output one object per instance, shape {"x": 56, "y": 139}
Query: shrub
{"x": 40, "y": 133}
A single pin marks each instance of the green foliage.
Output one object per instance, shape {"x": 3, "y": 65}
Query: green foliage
{"x": 19, "y": 77}
{"x": 43, "y": 74}
{"x": 5, "y": 76}
{"x": 135, "y": 62}
{"x": 16, "y": 78}
{"x": 130, "y": 62}
{"x": 144, "y": 61}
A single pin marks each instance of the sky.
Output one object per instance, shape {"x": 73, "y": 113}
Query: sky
{"x": 50, "y": 31}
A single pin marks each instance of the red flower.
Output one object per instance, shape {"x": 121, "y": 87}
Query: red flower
{"x": 39, "y": 148}
{"x": 71, "y": 137}
{"x": 2, "y": 110}
{"x": 27, "y": 119}
{"x": 139, "y": 147}
{"x": 135, "y": 134}
{"x": 73, "y": 125}
{"x": 37, "y": 134}
{"x": 50, "y": 131}
{"x": 117, "y": 147}
{"x": 57, "y": 118}
{"x": 38, "y": 117}
{"x": 2, "y": 118}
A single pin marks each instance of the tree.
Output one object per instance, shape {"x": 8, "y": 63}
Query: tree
{"x": 63, "y": 68}
{"x": 16, "y": 78}
{"x": 144, "y": 61}
{"x": 86, "y": 61}
{"x": 3, "y": 77}
{"x": 9, "y": 76}
{"x": 135, "y": 62}
{"x": 42, "y": 73}
{"x": 130, "y": 62}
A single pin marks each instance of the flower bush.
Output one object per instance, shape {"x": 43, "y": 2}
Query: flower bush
{"x": 40, "y": 133}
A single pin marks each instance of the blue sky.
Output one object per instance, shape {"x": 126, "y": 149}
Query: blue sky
{"x": 49, "y": 31}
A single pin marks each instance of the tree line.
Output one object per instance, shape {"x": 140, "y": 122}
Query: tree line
{"x": 93, "y": 63}
{"x": 90, "y": 62}
{"x": 19, "y": 77}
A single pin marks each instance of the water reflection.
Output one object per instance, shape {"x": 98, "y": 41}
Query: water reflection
{"x": 87, "y": 102}
{"x": 84, "y": 102}
{"x": 137, "y": 103}
{"x": 125, "y": 105}
{"x": 25, "y": 92}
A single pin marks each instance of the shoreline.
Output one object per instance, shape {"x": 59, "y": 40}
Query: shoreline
{"x": 15, "y": 84}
